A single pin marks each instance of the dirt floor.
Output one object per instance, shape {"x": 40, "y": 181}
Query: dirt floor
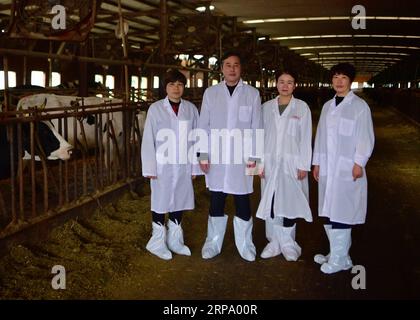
{"x": 105, "y": 256}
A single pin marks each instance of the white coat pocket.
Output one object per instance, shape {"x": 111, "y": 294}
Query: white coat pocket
{"x": 245, "y": 113}
{"x": 346, "y": 127}
{"x": 345, "y": 168}
{"x": 292, "y": 126}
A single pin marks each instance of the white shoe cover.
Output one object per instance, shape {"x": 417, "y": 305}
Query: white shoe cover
{"x": 157, "y": 243}
{"x": 272, "y": 249}
{"x": 289, "y": 247}
{"x": 340, "y": 242}
{"x": 175, "y": 239}
{"x": 243, "y": 238}
{"x": 216, "y": 228}
{"x": 320, "y": 258}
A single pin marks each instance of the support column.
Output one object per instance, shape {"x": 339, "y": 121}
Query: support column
{"x": 163, "y": 36}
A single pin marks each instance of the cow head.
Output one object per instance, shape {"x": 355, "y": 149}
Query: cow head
{"x": 53, "y": 144}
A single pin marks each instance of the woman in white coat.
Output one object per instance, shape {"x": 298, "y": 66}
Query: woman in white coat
{"x": 343, "y": 145}
{"x": 166, "y": 164}
{"x": 287, "y": 160}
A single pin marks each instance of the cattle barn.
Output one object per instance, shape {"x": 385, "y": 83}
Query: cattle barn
{"x": 83, "y": 87}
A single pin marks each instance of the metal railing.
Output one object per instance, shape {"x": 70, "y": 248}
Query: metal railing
{"x": 37, "y": 190}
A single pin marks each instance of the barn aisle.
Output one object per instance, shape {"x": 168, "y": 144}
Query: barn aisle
{"x": 105, "y": 258}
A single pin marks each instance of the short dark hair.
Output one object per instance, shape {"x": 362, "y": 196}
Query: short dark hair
{"x": 344, "y": 68}
{"x": 290, "y": 72}
{"x": 231, "y": 54}
{"x": 174, "y": 75}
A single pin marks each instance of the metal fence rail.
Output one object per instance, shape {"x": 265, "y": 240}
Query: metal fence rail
{"x": 37, "y": 190}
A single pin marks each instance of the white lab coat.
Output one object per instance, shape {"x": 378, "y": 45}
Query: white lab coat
{"x": 240, "y": 111}
{"x": 287, "y": 148}
{"x": 173, "y": 189}
{"x": 344, "y": 137}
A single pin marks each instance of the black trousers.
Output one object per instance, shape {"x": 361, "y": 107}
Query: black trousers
{"x": 338, "y": 225}
{"x": 218, "y": 200}
{"x": 160, "y": 218}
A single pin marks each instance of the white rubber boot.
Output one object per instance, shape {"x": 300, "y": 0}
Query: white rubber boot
{"x": 340, "y": 242}
{"x": 320, "y": 258}
{"x": 175, "y": 239}
{"x": 216, "y": 228}
{"x": 289, "y": 247}
{"x": 243, "y": 238}
{"x": 157, "y": 243}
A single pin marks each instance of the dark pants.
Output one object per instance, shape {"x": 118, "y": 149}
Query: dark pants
{"x": 286, "y": 221}
{"x": 160, "y": 218}
{"x": 338, "y": 225}
{"x": 217, "y": 205}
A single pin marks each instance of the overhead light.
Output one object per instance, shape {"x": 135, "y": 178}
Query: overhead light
{"x": 356, "y": 58}
{"x": 198, "y": 56}
{"x": 344, "y": 36}
{"x": 254, "y": 21}
{"x": 261, "y": 38}
{"x": 301, "y": 19}
{"x": 313, "y": 37}
{"x": 212, "y": 61}
{"x": 183, "y": 56}
{"x": 203, "y": 8}
{"x": 409, "y": 18}
{"x": 352, "y": 46}
{"x": 364, "y": 52}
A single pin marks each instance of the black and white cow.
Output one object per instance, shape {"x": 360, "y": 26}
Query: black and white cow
{"x": 53, "y": 145}
{"x": 49, "y": 101}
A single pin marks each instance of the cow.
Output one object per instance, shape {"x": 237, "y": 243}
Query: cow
{"x": 48, "y": 101}
{"x": 52, "y": 143}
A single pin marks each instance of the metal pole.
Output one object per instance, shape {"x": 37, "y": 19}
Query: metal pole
{"x": 6, "y": 82}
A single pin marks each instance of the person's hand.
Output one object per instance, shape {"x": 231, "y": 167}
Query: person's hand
{"x": 262, "y": 174}
{"x": 193, "y": 177}
{"x": 357, "y": 172}
{"x": 151, "y": 177}
{"x": 205, "y": 166}
{"x": 301, "y": 174}
{"x": 315, "y": 173}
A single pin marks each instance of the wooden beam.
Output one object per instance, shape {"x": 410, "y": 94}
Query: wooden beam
{"x": 129, "y": 15}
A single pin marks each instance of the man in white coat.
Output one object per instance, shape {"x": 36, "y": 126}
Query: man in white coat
{"x": 229, "y": 108}
{"x": 287, "y": 160}
{"x": 165, "y": 162}
{"x": 343, "y": 145}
